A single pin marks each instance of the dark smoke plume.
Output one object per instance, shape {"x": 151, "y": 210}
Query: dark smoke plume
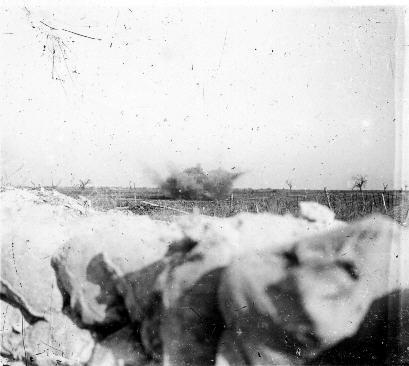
{"x": 196, "y": 184}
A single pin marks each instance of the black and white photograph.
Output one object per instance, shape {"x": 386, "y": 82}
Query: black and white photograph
{"x": 204, "y": 183}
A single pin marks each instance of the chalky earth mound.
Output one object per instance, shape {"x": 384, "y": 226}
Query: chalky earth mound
{"x": 83, "y": 287}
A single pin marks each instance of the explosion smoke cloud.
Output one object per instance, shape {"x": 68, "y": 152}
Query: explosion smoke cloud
{"x": 195, "y": 184}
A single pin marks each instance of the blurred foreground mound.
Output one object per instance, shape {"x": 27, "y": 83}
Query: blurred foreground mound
{"x": 81, "y": 287}
{"x": 35, "y": 224}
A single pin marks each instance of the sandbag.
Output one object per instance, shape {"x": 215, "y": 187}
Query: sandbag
{"x": 291, "y": 306}
{"x": 34, "y": 224}
{"x": 87, "y": 280}
{"x": 191, "y": 321}
{"x": 382, "y": 337}
{"x": 121, "y": 348}
{"x": 26, "y": 272}
{"x": 55, "y": 341}
{"x": 12, "y": 326}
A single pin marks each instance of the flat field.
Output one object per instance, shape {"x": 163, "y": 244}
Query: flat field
{"x": 347, "y": 205}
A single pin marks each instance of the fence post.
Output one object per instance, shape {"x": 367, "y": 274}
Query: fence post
{"x": 328, "y": 201}
{"x": 384, "y": 204}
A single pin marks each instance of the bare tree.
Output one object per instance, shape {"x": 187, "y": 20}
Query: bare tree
{"x": 360, "y": 181}
{"x": 84, "y": 183}
{"x": 289, "y": 183}
{"x": 385, "y": 186}
{"x": 35, "y": 186}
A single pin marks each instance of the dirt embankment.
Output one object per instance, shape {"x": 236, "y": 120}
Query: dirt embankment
{"x": 82, "y": 287}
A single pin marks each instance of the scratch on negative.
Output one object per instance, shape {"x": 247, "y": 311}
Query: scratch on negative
{"x": 15, "y": 265}
{"x": 221, "y": 53}
{"x": 24, "y": 344}
{"x": 4, "y": 324}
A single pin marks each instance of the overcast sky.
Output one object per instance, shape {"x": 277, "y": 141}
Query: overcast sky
{"x": 308, "y": 94}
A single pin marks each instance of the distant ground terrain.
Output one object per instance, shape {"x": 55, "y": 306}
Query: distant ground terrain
{"x": 347, "y": 205}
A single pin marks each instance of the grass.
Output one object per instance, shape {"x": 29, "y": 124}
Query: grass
{"x": 347, "y": 205}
